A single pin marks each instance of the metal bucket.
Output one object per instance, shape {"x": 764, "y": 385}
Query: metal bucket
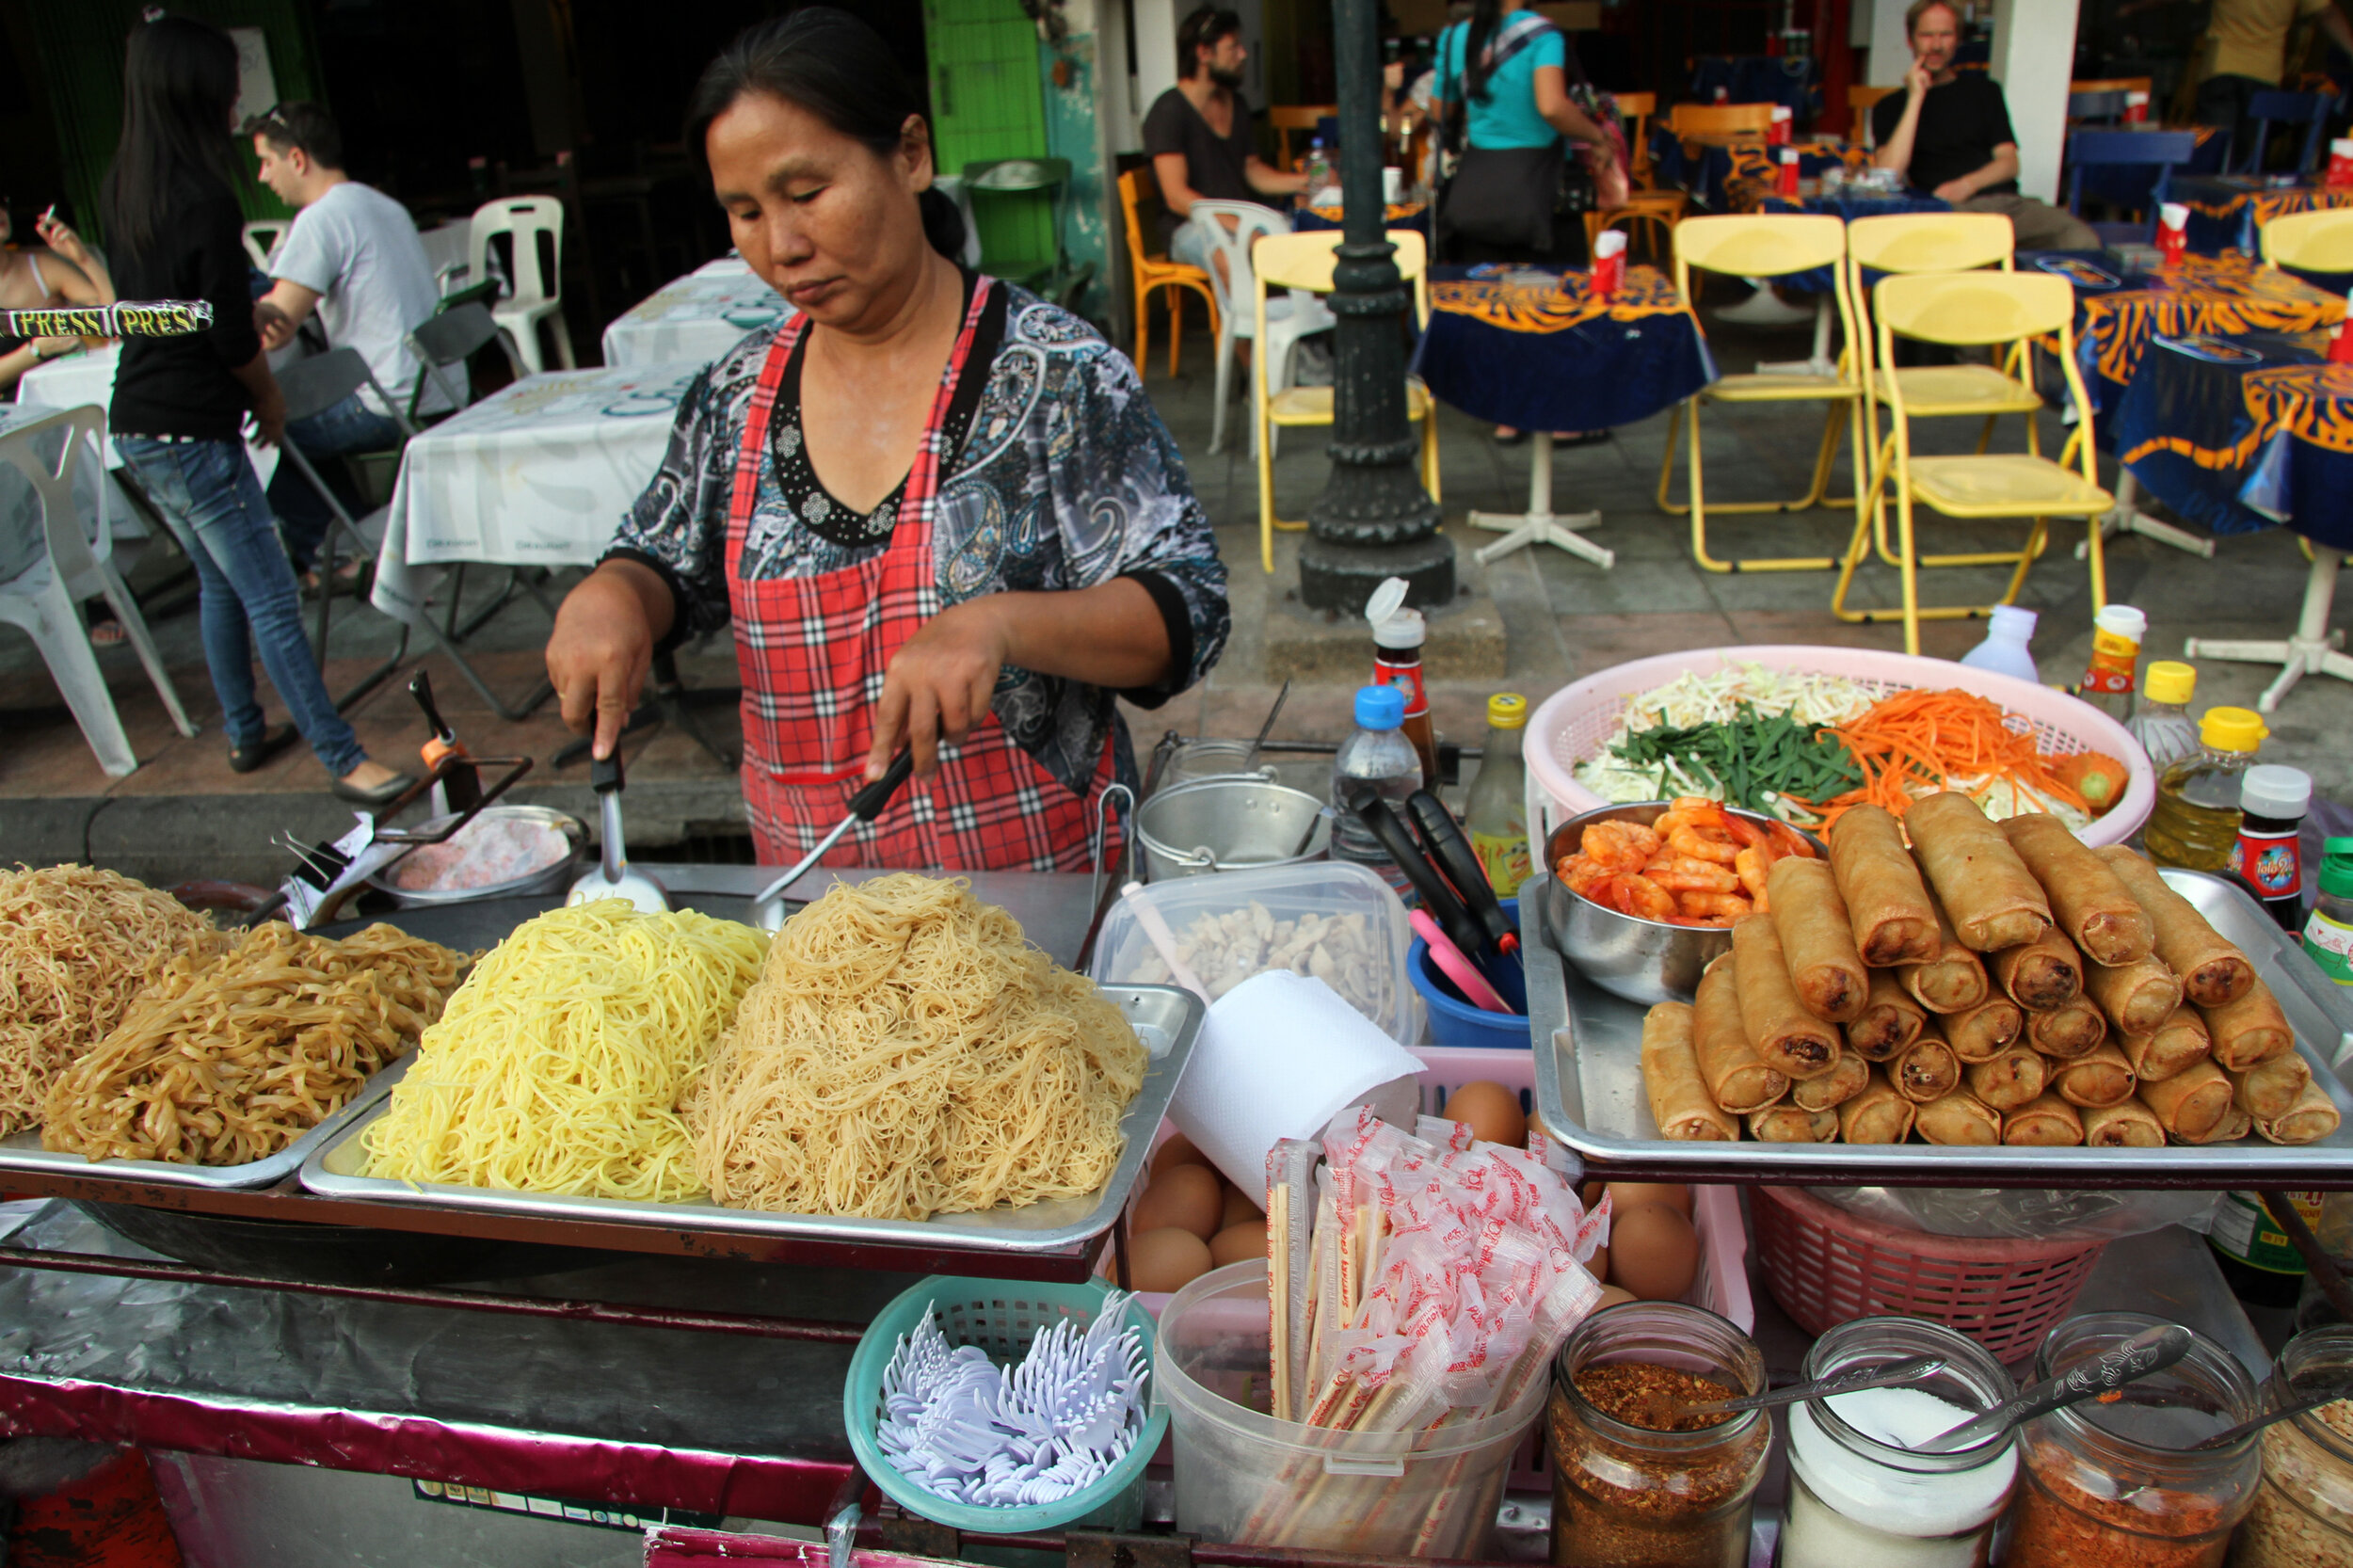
{"x": 1227, "y": 824}
{"x": 548, "y": 879}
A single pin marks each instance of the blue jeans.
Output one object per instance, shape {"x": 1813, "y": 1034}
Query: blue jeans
{"x": 247, "y": 596}
{"x": 1187, "y": 248}
{"x": 303, "y": 515}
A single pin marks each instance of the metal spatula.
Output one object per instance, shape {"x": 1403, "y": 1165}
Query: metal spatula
{"x": 612, "y": 878}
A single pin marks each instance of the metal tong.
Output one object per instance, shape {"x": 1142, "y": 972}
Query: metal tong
{"x": 612, "y": 877}
{"x": 865, "y": 806}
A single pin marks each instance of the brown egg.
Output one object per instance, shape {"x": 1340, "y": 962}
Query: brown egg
{"x": 1166, "y": 1259}
{"x": 1611, "y": 1295}
{"x": 1178, "y": 1151}
{"x": 1186, "y": 1196}
{"x": 1589, "y": 1194}
{"x": 1238, "y": 1209}
{"x": 1633, "y": 1194}
{"x": 1599, "y": 1267}
{"x": 1491, "y": 1112}
{"x": 1238, "y": 1243}
{"x": 1654, "y": 1252}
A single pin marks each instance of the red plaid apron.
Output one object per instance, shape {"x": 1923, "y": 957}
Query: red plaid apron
{"x": 813, "y": 652}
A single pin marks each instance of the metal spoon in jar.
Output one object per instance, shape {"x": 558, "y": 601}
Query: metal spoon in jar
{"x": 1879, "y": 1374}
{"x": 2225, "y": 1438}
{"x": 2153, "y": 1350}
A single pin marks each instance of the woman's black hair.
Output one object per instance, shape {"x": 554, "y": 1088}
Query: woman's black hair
{"x": 840, "y": 69}
{"x": 1486, "y": 15}
{"x": 179, "y": 85}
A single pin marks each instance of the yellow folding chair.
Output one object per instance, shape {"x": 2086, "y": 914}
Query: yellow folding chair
{"x": 1982, "y": 310}
{"x": 1767, "y": 246}
{"x": 1305, "y": 262}
{"x": 2318, "y": 241}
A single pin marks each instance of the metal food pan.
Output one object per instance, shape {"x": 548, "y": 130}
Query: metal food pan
{"x": 21, "y": 1151}
{"x": 1589, "y": 1094}
{"x": 1166, "y": 1019}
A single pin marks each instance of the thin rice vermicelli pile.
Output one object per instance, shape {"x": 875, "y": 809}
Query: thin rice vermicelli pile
{"x": 906, "y": 1053}
{"x": 229, "y": 1059}
{"x": 76, "y": 945}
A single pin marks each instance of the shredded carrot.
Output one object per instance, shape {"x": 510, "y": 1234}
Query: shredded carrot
{"x": 1924, "y": 738}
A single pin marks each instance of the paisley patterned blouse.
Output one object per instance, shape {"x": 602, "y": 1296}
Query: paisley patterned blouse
{"x": 1060, "y": 476}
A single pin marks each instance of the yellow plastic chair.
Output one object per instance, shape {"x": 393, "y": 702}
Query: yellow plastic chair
{"x": 1982, "y": 310}
{"x": 1305, "y": 262}
{"x": 1767, "y": 246}
{"x": 2311, "y": 241}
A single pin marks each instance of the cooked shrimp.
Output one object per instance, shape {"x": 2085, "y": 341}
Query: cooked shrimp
{"x": 1621, "y": 846}
{"x": 1752, "y": 864}
{"x": 1686, "y": 810}
{"x": 1712, "y": 908}
{"x": 1698, "y": 844}
{"x": 1685, "y": 875}
{"x": 1634, "y": 894}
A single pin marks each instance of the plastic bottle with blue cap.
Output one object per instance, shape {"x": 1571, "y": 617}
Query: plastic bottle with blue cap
{"x": 1377, "y": 754}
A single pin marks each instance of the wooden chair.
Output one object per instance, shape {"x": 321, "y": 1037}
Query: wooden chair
{"x": 1720, "y": 122}
{"x": 1302, "y": 117}
{"x": 1859, "y": 103}
{"x": 1638, "y": 108}
{"x": 2113, "y": 84}
{"x": 1148, "y": 272}
{"x": 1650, "y": 214}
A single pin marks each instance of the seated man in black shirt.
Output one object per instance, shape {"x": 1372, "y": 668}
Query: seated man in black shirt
{"x": 1949, "y": 134}
{"x": 1199, "y": 133}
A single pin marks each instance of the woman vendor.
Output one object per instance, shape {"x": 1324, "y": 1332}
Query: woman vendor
{"x": 939, "y": 512}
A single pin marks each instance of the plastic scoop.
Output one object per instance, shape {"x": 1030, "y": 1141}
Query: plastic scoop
{"x": 1458, "y": 969}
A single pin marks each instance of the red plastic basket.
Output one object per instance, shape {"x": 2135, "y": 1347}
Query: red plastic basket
{"x": 1827, "y": 1267}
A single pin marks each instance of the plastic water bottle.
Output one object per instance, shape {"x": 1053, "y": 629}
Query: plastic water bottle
{"x": 1319, "y": 170}
{"x": 2005, "y": 649}
{"x": 1379, "y": 755}
{"x": 2160, "y": 720}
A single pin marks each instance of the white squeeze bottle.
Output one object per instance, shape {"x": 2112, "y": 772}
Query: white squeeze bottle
{"x": 1379, "y": 755}
{"x": 2005, "y": 649}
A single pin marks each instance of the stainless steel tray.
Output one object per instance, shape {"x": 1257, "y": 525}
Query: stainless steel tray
{"x": 1159, "y": 1014}
{"x": 21, "y": 1151}
{"x": 1590, "y": 1095}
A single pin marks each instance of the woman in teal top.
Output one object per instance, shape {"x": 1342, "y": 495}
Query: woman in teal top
{"x": 1509, "y": 69}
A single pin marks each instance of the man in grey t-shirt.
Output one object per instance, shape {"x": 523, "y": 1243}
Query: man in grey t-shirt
{"x": 353, "y": 255}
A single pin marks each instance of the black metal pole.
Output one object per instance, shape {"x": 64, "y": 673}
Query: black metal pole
{"x": 1374, "y": 518}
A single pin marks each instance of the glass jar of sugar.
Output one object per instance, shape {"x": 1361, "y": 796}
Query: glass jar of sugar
{"x": 1858, "y": 1494}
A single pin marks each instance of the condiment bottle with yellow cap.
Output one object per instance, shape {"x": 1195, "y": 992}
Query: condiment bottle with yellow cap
{"x": 1496, "y": 817}
{"x": 2160, "y": 720}
{"x": 2197, "y": 819}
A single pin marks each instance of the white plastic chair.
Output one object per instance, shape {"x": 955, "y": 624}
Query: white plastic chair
{"x": 1230, "y": 229}
{"x": 263, "y": 238}
{"x": 64, "y": 567}
{"x": 534, "y": 284}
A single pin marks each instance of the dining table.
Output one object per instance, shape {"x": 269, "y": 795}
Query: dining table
{"x": 2227, "y": 212}
{"x": 697, "y": 317}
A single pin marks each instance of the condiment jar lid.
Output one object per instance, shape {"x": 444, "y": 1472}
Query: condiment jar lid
{"x": 1507, "y": 710}
{"x": 2336, "y": 867}
{"x": 2232, "y": 728}
{"x": 1380, "y": 707}
{"x": 2168, "y": 681}
{"x": 2270, "y": 789}
{"x": 1393, "y": 625}
{"x": 2123, "y": 621}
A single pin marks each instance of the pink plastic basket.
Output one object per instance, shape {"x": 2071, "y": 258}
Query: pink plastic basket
{"x": 1577, "y": 721}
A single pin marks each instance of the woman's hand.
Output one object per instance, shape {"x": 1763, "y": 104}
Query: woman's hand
{"x": 602, "y": 648}
{"x": 938, "y": 683}
{"x": 61, "y": 239}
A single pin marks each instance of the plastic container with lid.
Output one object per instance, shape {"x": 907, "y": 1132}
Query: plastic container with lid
{"x": 2197, "y": 816}
{"x": 1624, "y": 1494}
{"x": 2008, "y": 631}
{"x": 2114, "y": 1484}
{"x": 2304, "y": 1515}
{"x": 2160, "y": 720}
{"x": 2272, "y": 800}
{"x": 2329, "y": 934}
{"x": 1859, "y": 1495}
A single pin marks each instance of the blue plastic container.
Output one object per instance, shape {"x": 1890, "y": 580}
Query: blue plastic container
{"x": 1456, "y": 1023}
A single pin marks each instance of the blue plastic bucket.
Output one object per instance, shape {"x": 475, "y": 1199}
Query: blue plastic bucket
{"x": 1456, "y": 1023}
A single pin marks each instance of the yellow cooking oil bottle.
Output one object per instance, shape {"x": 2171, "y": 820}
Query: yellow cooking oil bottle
{"x": 2197, "y": 815}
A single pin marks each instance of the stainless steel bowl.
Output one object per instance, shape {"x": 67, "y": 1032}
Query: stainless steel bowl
{"x": 1643, "y": 961}
{"x": 1243, "y": 822}
{"x": 549, "y": 879}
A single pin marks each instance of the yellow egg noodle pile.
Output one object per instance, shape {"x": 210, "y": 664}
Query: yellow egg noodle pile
{"x": 905, "y": 1053}
{"x": 559, "y": 1064}
{"x": 228, "y": 1059}
{"x": 76, "y": 945}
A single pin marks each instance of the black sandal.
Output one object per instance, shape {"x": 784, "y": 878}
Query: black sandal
{"x": 246, "y": 758}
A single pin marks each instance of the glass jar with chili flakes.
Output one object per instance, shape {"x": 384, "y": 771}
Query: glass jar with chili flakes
{"x": 2110, "y": 1483}
{"x": 1637, "y": 1480}
{"x": 2303, "y": 1516}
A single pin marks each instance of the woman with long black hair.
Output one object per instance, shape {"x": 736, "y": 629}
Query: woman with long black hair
{"x": 175, "y": 232}
{"x": 1503, "y": 76}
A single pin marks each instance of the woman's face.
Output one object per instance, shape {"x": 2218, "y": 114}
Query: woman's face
{"x": 833, "y": 225}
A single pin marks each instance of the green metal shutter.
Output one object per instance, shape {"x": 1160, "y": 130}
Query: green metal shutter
{"x": 988, "y": 102}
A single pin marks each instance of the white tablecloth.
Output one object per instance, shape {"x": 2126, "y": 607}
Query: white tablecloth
{"x": 697, "y": 317}
{"x": 538, "y": 474}
{"x": 89, "y": 376}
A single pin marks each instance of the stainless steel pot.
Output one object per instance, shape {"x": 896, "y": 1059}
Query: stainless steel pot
{"x": 1227, "y": 824}
{"x": 549, "y": 879}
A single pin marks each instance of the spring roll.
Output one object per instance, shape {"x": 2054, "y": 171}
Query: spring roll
{"x": 1818, "y": 937}
{"x": 1734, "y": 1079}
{"x": 1834, "y": 1088}
{"x": 2069, "y": 1033}
{"x": 1887, "y": 905}
{"x": 2010, "y": 1079}
{"x": 2270, "y": 1091}
{"x": 2250, "y": 1031}
{"x": 2129, "y": 1125}
{"x": 2191, "y": 1102}
{"x": 2213, "y": 972}
{"x": 1670, "y": 1075}
{"x": 1877, "y": 1115}
{"x": 2137, "y": 996}
{"x": 2093, "y": 907}
{"x": 2041, "y": 976}
{"x": 1891, "y": 1019}
{"x": 1979, "y": 1034}
{"x": 2174, "y": 1046}
{"x": 1952, "y": 982}
{"x": 2049, "y": 1122}
{"x": 1784, "y": 1035}
{"x": 2234, "y": 1125}
{"x": 1960, "y": 1117}
{"x": 1994, "y": 901}
{"x": 2311, "y": 1118}
{"x": 1927, "y": 1070}
{"x": 1787, "y": 1124}
{"x": 2100, "y": 1077}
